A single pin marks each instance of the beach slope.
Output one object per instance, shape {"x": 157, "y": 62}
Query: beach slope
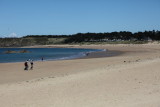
{"x": 131, "y": 79}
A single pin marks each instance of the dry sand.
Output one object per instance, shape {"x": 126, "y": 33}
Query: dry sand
{"x": 130, "y": 79}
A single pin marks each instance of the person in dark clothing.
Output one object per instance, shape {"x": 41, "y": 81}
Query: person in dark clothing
{"x": 26, "y": 65}
{"x": 31, "y": 62}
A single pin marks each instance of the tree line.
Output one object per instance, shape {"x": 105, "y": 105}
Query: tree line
{"x": 99, "y": 37}
{"x": 121, "y": 37}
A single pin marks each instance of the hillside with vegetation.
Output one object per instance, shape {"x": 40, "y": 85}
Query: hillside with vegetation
{"x": 82, "y": 38}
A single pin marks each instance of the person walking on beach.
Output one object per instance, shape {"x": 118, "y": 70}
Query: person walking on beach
{"x": 31, "y": 62}
{"x": 42, "y": 58}
{"x": 26, "y": 65}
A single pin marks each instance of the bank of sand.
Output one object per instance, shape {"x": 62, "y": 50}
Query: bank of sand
{"x": 130, "y": 79}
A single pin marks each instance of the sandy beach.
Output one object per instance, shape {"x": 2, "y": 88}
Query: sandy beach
{"x": 128, "y": 77}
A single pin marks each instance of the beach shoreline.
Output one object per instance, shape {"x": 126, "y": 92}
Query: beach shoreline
{"x": 114, "y": 51}
{"x": 94, "y": 54}
{"x": 14, "y": 79}
{"x": 128, "y": 79}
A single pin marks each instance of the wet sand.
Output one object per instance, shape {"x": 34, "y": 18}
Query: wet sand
{"x": 128, "y": 79}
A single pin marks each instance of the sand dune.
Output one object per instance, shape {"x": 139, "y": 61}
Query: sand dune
{"x": 131, "y": 79}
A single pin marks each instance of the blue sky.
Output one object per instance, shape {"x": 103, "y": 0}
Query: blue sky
{"x": 56, "y": 17}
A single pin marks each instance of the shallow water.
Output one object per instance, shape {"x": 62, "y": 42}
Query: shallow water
{"x": 36, "y": 54}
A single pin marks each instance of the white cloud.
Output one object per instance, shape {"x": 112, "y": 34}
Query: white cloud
{"x": 12, "y": 35}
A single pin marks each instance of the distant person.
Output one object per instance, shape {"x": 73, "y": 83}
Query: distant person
{"x": 42, "y": 58}
{"x": 87, "y": 54}
{"x": 31, "y": 62}
{"x": 26, "y": 65}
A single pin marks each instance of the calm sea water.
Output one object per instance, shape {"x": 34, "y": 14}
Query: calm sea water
{"x": 47, "y": 53}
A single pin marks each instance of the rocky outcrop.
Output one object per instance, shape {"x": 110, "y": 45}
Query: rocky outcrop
{"x": 21, "y": 51}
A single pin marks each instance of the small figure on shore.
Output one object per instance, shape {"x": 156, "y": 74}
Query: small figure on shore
{"x": 42, "y": 58}
{"x": 26, "y": 65}
{"x": 87, "y": 53}
{"x": 31, "y": 62}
